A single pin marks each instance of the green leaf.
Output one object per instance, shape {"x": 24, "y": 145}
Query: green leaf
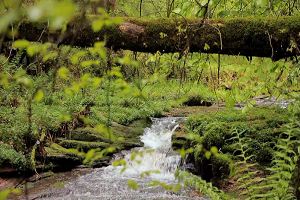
{"x": 176, "y": 10}
{"x": 50, "y": 55}
{"x": 262, "y": 3}
{"x": 229, "y": 101}
{"x": 206, "y": 47}
{"x": 4, "y": 80}
{"x": 64, "y": 118}
{"x": 127, "y": 60}
{"x": 97, "y": 25}
{"x": 4, "y": 194}
{"x": 18, "y": 74}
{"x": 39, "y": 95}
{"x": 75, "y": 87}
{"x": 25, "y": 81}
{"x": 116, "y": 163}
{"x": 132, "y": 184}
{"x": 62, "y": 72}
{"x": 99, "y": 44}
{"x": 68, "y": 91}
{"x": 214, "y": 150}
{"x": 207, "y": 154}
{"x": 133, "y": 155}
{"x": 89, "y": 155}
{"x": 87, "y": 63}
{"x": 116, "y": 71}
{"x": 155, "y": 183}
{"x": 7, "y": 18}
{"x": 21, "y": 44}
{"x": 96, "y": 81}
{"x": 182, "y": 152}
{"x": 244, "y": 110}
{"x": 64, "y": 28}
{"x": 32, "y": 50}
{"x": 75, "y": 59}
{"x": 177, "y": 187}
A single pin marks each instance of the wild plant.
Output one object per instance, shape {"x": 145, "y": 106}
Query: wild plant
{"x": 282, "y": 181}
{"x": 243, "y": 170}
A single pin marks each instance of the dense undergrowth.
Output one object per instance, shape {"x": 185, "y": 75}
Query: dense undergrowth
{"x": 75, "y": 102}
{"x": 84, "y": 98}
{"x": 63, "y": 104}
{"x": 77, "y": 99}
{"x": 253, "y": 155}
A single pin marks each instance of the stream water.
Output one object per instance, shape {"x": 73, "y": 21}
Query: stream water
{"x": 110, "y": 183}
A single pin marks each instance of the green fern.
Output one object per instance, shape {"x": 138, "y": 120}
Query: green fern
{"x": 243, "y": 169}
{"x": 206, "y": 188}
{"x": 285, "y": 163}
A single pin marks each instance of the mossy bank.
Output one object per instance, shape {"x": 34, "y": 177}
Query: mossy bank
{"x": 262, "y": 127}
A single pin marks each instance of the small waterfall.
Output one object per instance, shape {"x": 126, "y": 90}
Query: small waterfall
{"x": 110, "y": 183}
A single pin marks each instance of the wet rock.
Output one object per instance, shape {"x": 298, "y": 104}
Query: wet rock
{"x": 197, "y": 101}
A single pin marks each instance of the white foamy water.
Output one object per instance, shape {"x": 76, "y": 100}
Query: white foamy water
{"x": 110, "y": 183}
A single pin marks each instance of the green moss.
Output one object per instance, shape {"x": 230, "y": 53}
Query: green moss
{"x": 53, "y": 152}
{"x": 82, "y": 145}
{"x": 262, "y": 126}
{"x": 10, "y": 156}
{"x": 179, "y": 143}
{"x": 57, "y": 150}
{"x": 87, "y": 134}
{"x": 216, "y": 134}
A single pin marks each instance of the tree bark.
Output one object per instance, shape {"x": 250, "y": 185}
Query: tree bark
{"x": 262, "y": 37}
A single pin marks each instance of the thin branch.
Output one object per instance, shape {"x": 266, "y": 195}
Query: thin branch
{"x": 220, "y": 34}
{"x": 43, "y": 31}
{"x": 270, "y": 40}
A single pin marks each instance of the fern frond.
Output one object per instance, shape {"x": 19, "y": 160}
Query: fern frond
{"x": 200, "y": 185}
{"x": 243, "y": 170}
{"x": 284, "y": 162}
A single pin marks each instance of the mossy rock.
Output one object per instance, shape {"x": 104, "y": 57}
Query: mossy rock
{"x": 133, "y": 130}
{"x": 261, "y": 125}
{"x": 85, "y": 139}
{"x": 9, "y": 157}
{"x": 82, "y": 145}
{"x": 101, "y": 162}
{"x": 216, "y": 134}
{"x": 127, "y": 144}
{"x": 197, "y": 100}
{"x": 62, "y": 156}
{"x": 87, "y": 134}
{"x": 179, "y": 143}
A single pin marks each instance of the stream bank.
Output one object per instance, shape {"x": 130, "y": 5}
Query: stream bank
{"x": 60, "y": 157}
{"x": 215, "y": 125}
{"x": 109, "y": 182}
{"x": 62, "y": 160}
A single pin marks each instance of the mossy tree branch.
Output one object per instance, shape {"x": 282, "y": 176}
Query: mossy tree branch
{"x": 262, "y": 37}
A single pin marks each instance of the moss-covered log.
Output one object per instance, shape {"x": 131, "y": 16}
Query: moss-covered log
{"x": 261, "y": 37}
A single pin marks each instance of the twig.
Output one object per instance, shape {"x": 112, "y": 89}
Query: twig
{"x": 270, "y": 40}
{"x": 219, "y": 34}
{"x": 43, "y": 31}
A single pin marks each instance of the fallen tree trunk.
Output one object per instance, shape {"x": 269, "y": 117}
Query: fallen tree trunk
{"x": 262, "y": 37}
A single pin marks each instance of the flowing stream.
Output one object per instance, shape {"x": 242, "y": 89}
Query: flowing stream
{"x": 110, "y": 183}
